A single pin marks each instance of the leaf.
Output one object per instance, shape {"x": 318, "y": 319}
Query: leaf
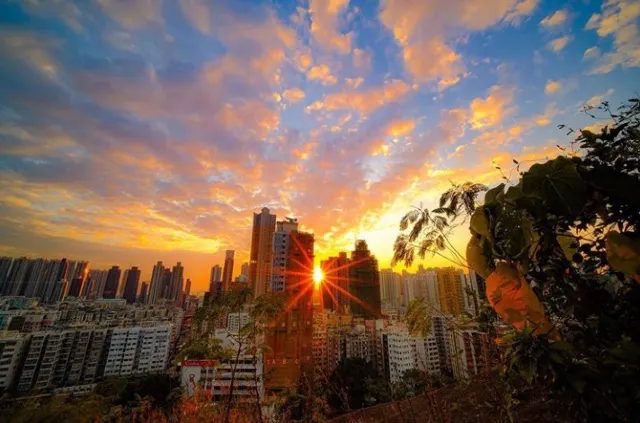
{"x": 569, "y": 244}
{"x": 623, "y": 253}
{"x": 558, "y": 184}
{"x": 491, "y": 195}
{"x": 511, "y": 296}
{"x": 513, "y": 193}
{"x": 476, "y": 258}
{"x": 480, "y": 223}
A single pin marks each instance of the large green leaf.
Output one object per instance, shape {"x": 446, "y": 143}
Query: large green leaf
{"x": 480, "y": 223}
{"x": 558, "y": 184}
{"x": 492, "y": 194}
{"x": 623, "y": 253}
{"x": 477, "y": 259}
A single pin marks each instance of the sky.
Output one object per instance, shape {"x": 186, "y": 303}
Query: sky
{"x": 146, "y": 130}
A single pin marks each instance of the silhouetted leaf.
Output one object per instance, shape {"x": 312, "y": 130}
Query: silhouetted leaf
{"x": 558, "y": 184}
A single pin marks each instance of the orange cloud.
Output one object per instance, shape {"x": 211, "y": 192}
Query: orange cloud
{"x": 325, "y": 24}
{"x": 398, "y": 128}
{"x": 322, "y": 73}
{"x": 433, "y": 60}
{"x": 303, "y": 61}
{"x": 554, "y": 20}
{"x": 619, "y": 18}
{"x": 420, "y": 28}
{"x": 552, "y": 87}
{"x": 363, "y": 101}
{"x": 558, "y": 44}
{"x": 293, "y": 95}
{"x": 490, "y": 111}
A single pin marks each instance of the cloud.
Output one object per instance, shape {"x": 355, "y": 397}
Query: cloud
{"x": 353, "y": 83}
{"x": 361, "y": 58}
{"x": 591, "y": 53}
{"x": 619, "y": 18}
{"x": 65, "y": 10}
{"x": 490, "y": 111}
{"x": 198, "y": 13}
{"x": 521, "y": 11}
{"x": 401, "y": 127}
{"x": 325, "y": 24}
{"x": 434, "y": 60}
{"x": 420, "y": 28}
{"x": 597, "y": 99}
{"x": 363, "y": 101}
{"x": 552, "y": 87}
{"x": 120, "y": 40}
{"x": 322, "y": 73}
{"x": 133, "y": 15}
{"x": 30, "y": 49}
{"x": 558, "y": 44}
{"x": 303, "y": 61}
{"x": 293, "y": 95}
{"x": 556, "y": 19}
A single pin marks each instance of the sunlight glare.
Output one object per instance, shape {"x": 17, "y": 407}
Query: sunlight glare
{"x": 318, "y": 275}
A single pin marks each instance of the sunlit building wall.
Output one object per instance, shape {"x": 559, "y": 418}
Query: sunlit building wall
{"x": 450, "y": 290}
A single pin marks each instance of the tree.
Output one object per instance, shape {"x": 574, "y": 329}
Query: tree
{"x": 560, "y": 250}
{"x": 354, "y": 384}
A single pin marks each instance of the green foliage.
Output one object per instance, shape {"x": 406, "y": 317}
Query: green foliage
{"x": 557, "y": 184}
{"x": 354, "y": 384}
{"x": 570, "y": 228}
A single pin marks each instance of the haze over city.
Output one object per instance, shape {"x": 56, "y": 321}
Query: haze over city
{"x": 132, "y": 132}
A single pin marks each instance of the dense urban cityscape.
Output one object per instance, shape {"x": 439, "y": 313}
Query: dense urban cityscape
{"x": 65, "y": 326}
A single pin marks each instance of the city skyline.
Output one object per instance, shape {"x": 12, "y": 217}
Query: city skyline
{"x": 136, "y": 134}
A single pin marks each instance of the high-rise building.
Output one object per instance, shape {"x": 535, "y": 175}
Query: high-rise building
{"x": 166, "y": 283}
{"x": 290, "y": 337}
{"x": 56, "y": 281}
{"x": 244, "y": 270}
{"x": 35, "y": 281}
{"x": 5, "y": 267}
{"x": 390, "y": 288}
{"x": 12, "y": 345}
{"x": 144, "y": 291}
{"x": 450, "y": 290}
{"x": 364, "y": 280}
{"x": 336, "y": 270}
{"x": 260, "y": 258}
{"x": 96, "y": 280}
{"x": 227, "y": 273}
{"x": 175, "y": 285}
{"x": 16, "y": 276}
{"x": 187, "y": 288}
{"x": 216, "y": 274}
{"x": 157, "y": 279}
{"x": 131, "y": 285}
{"x": 113, "y": 281}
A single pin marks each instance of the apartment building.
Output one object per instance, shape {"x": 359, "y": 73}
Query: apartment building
{"x": 11, "y": 348}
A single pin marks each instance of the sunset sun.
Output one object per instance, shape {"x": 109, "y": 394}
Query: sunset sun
{"x": 318, "y": 275}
